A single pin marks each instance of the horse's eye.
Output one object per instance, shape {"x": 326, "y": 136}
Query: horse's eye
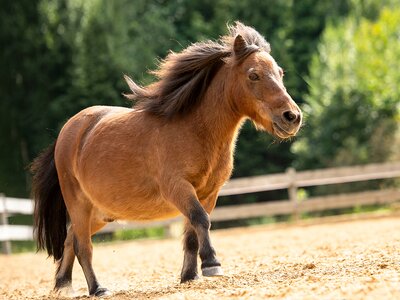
{"x": 253, "y": 77}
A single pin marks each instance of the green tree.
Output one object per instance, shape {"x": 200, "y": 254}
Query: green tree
{"x": 307, "y": 22}
{"x": 353, "y": 108}
{"x": 111, "y": 38}
{"x": 26, "y": 85}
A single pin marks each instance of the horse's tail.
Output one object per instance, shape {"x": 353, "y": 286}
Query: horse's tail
{"x": 50, "y": 213}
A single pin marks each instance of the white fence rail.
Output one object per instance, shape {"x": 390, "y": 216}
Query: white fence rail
{"x": 290, "y": 180}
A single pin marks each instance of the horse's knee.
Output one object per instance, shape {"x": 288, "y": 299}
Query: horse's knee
{"x": 198, "y": 217}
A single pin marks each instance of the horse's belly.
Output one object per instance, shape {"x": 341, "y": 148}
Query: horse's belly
{"x": 136, "y": 209}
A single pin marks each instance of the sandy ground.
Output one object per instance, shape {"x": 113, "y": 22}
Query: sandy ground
{"x": 341, "y": 260}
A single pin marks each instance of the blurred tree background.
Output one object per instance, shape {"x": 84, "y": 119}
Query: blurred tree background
{"x": 341, "y": 60}
{"x": 353, "y": 100}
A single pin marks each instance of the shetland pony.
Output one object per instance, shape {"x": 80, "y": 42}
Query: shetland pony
{"x": 168, "y": 155}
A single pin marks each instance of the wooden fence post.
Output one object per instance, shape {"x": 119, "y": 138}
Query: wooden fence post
{"x": 5, "y": 245}
{"x": 292, "y": 191}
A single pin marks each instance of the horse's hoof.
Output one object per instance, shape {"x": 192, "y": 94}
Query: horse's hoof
{"x": 189, "y": 278}
{"x": 64, "y": 292}
{"x": 102, "y": 292}
{"x": 212, "y": 271}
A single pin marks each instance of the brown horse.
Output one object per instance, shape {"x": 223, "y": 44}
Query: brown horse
{"x": 169, "y": 155}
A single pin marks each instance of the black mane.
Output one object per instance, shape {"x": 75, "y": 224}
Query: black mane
{"x": 184, "y": 77}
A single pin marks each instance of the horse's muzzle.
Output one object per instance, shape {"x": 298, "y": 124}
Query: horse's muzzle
{"x": 288, "y": 124}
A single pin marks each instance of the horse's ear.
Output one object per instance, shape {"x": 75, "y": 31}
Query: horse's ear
{"x": 239, "y": 45}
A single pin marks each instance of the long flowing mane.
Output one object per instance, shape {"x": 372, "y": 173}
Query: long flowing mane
{"x": 183, "y": 78}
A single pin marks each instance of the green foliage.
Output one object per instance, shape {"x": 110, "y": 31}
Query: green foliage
{"x": 23, "y": 59}
{"x": 352, "y": 108}
{"x": 308, "y": 21}
{"x": 108, "y": 41}
{"x": 131, "y": 234}
{"x": 23, "y": 246}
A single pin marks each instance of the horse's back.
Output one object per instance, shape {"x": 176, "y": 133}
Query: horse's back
{"x": 76, "y": 130}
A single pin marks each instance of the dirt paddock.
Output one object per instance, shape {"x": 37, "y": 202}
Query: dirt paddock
{"x": 353, "y": 259}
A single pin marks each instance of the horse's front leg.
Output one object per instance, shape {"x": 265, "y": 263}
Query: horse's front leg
{"x": 210, "y": 265}
{"x": 190, "y": 249}
{"x": 185, "y": 199}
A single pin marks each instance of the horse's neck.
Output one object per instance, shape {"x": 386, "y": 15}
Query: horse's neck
{"x": 216, "y": 116}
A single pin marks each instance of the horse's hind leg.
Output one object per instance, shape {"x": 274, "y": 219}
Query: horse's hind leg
{"x": 65, "y": 265}
{"x": 83, "y": 225}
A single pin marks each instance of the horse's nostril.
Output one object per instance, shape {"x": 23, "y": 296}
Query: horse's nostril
{"x": 290, "y": 116}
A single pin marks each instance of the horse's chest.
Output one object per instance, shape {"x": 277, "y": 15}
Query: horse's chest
{"x": 218, "y": 173}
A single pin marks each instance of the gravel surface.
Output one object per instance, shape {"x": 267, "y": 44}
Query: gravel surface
{"x": 341, "y": 260}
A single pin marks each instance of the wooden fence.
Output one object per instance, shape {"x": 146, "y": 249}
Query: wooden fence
{"x": 290, "y": 180}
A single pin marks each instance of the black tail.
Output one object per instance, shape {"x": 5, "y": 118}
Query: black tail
{"x": 50, "y": 214}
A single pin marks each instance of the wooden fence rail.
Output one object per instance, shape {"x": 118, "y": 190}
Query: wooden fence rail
{"x": 290, "y": 180}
